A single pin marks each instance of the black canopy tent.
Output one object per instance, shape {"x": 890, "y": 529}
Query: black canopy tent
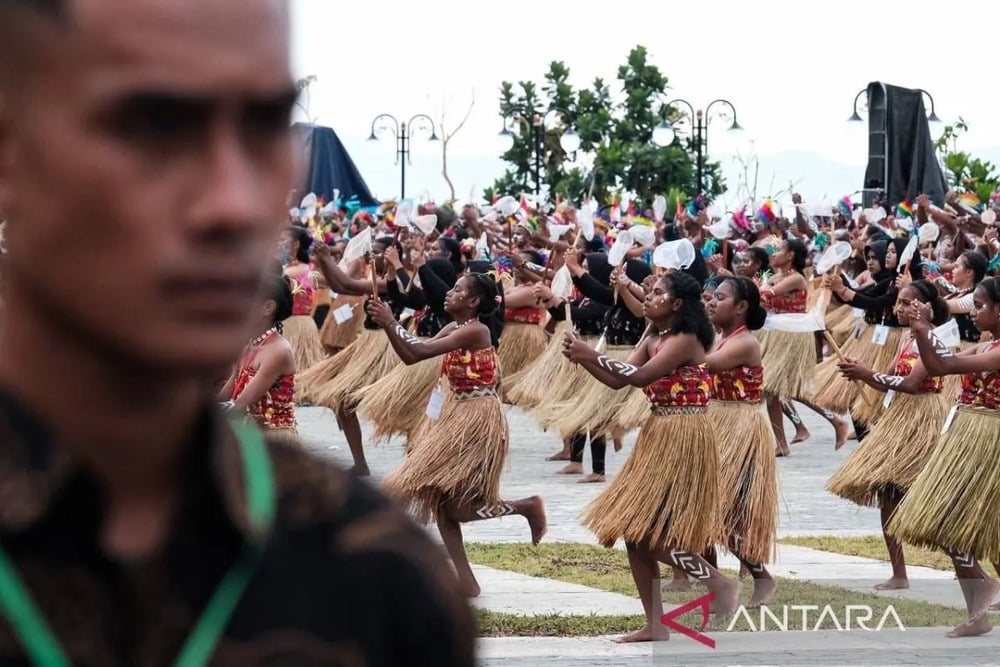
{"x": 329, "y": 166}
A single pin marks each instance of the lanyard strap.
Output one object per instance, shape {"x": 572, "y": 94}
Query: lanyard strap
{"x": 40, "y": 643}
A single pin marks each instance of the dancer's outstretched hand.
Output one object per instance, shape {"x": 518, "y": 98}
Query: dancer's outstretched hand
{"x": 380, "y": 313}
{"x": 575, "y": 349}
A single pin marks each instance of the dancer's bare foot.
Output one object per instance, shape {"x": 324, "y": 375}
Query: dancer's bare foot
{"x": 558, "y": 456}
{"x": 592, "y": 478}
{"x": 801, "y": 434}
{"x": 360, "y": 471}
{"x": 974, "y": 627}
{"x": 572, "y": 468}
{"x": 678, "y": 585}
{"x": 727, "y": 595}
{"x": 535, "y": 514}
{"x": 780, "y": 451}
{"x": 893, "y": 584}
{"x": 841, "y": 430}
{"x": 646, "y": 634}
{"x": 763, "y": 591}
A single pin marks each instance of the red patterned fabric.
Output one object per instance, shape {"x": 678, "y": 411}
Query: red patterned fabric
{"x": 792, "y": 302}
{"x": 688, "y": 386}
{"x": 907, "y": 361}
{"x": 739, "y": 384}
{"x": 470, "y": 370}
{"x": 276, "y": 409}
{"x": 981, "y": 389}
{"x": 303, "y": 293}
{"x": 523, "y": 315}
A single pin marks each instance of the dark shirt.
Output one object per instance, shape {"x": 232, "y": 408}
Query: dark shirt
{"x": 587, "y": 316}
{"x": 621, "y": 326}
{"x": 346, "y": 580}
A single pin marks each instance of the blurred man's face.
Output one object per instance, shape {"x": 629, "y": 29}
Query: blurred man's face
{"x": 147, "y": 162}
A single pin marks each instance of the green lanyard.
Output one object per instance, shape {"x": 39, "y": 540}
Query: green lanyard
{"x": 40, "y": 643}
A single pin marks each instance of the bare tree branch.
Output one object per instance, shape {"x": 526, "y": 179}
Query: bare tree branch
{"x": 447, "y": 136}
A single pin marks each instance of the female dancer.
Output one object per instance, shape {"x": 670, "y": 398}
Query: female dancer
{"x": 452, "y": 473}
{"x": 790, "y": 356}
{"x": 524, "y": 337}
{"x": 954, "y": 502}
{"x": 300, "y": 329}
{"x": 881, "y": 469}
{"x": 664, "y": 501}
{"x": 748, "y": 480}
{"x": 263, "y": 382}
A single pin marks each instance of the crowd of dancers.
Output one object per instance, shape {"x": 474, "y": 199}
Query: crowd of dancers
{"x": 705, "y": 332}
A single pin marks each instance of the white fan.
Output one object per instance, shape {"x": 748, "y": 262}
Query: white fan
{"x": 557, "y": 231}
{"x": 676, "y": 255}
{"x": 929, "y": 232}
{"x": 906, "y": 256}
{"x": 874, "y": 215}
{"x": 721, "y": 229}
{"x": 643, "y": 235}
{"x": 507, "y": 206}
{"x": 622, "y": 245}
{"x": 659, "y": 207}
{"x": 905, "y": 224}
{"x": 833, "y": 256}
{"x": 989, "y": 216}
{"x": 404, "y": 213}
{"x": 585, "y": 218}
{"x": 308, "y": 206}
{"x": 357, "y": 247}
{"x": 562, "y": 283}
{"x": 425, "y": 224}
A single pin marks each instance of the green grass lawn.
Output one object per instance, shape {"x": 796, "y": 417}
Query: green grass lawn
{"x": 607, "y": 569}
{"x": 873, "y": 546}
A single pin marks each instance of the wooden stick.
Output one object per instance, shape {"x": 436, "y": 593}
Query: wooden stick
{"x": 840, "y": 356}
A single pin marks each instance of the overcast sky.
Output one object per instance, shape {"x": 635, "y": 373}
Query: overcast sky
{"x": 791, "y": 70}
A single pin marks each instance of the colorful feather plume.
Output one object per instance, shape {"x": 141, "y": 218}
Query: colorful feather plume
{"x": 846, "y": 206}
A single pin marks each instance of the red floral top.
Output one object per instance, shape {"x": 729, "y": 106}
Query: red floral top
{"x": 523, "y": 315}
{"x": 792, "y": 302}
{"x": 276, "y": 408}
{"x": 688, "y": 386}
{"x": 303, "y": 293}
{"x": 907, "y": 361}
{"x": 739, "y": 384}
{"x": 981, "y": 390}
{"x": 470, "y": 370}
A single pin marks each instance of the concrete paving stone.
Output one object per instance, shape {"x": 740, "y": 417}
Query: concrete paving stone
{"x": 514, "y": 593}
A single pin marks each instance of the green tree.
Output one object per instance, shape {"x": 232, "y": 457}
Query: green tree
{"x": 962, "y": 170}
{"x": 615, "y": 131}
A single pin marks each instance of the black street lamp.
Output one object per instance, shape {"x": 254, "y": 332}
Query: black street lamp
{"x": 569, "y": 141}
{"x": 665, "y": 133}
{"x": 402, "y": 132}
{"x": 932, "y": 117}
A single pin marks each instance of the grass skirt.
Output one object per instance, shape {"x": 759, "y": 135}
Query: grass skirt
{"x": 397, "y": 404}
{"x": 840, "y": 322}
{"x": 336, "y": 336}
{"x": 955, "y": 501}
{"x": 748, "y": 478}
{"x": 893, "y": 453}
{"x": 301, "y": 333}
{"x": 520, "y": 346}
{"x": 527, "y": 388}
{"x": 457, "y": 457}
{"x": 667, "y": 493}
{"x": 368, "y": 359}
{"x": 838, "y": 394}
{"x": 593, "y": 406}
{"x": 867, "y": 407}
{"x": 570, "y": 380}
{"x": 309, "y": 381}
{"x": 789, "y": 360}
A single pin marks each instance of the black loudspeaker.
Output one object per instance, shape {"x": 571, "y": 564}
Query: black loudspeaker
{"x": 877, "y": 171}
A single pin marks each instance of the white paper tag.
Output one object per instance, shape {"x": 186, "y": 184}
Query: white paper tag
{"x": 343, "y": 313}
{"x": 333, "y": 295}
{"x": 407, "y": 313}
{"x": 887, "y": 401}
{"x": 434, "y": 405}
{"x": 858, "y": 313}
{"x": 949, "y": 419}
{"x": 880, "y": 335}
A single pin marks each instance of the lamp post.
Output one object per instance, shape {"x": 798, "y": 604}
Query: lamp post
{"x": 932, "y": 117}
{"x": 402, "y": 132}
{"x": 665, "y": 133}
{"x": 569, "y": 141}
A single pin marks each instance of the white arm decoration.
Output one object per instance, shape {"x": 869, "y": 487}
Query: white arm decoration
{"x": 405, "y": 335}
{"x": 888, "y": 380}
{"x": 619, "y": 367}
